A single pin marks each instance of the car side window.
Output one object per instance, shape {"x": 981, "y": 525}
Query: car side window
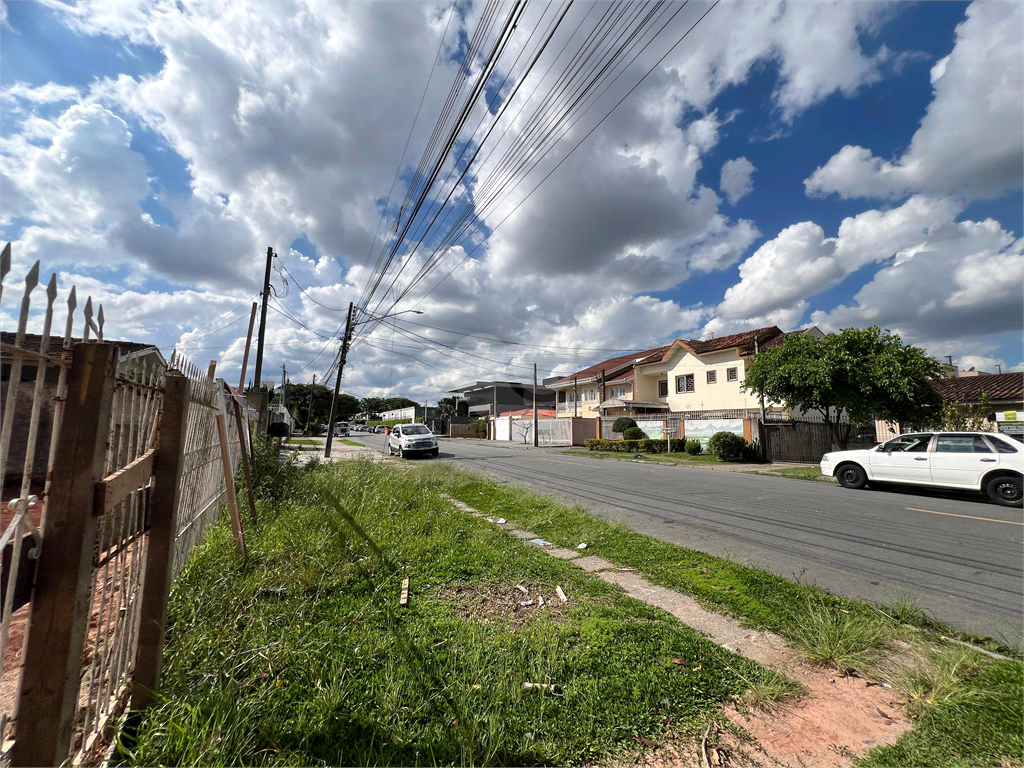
{"x": 961, "y": 444}
{"x": 909, "y": 444}
{"x": 1002, "y": 446}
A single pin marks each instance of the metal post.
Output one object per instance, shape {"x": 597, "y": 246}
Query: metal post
{"x": 337, "y": 382}
{"x": 575, "y": 399}
{"x": 536, "y": 440}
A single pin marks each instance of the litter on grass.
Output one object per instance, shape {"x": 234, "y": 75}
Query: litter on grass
{"x": 581, "y": 546}
{"x": 540, "y": 543}
{"x": 561, "y": 595}
{"x": 549, "y": 687}
{"x": 522, "y": 589}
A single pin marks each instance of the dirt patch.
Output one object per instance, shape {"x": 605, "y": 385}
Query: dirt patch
{"x": 504, "y": 604}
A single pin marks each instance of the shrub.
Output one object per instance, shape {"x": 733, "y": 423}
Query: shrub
{"x": 634, "y": 433}
{"x": 726, "y": 445}
{"x": 693, "y": 447}
{"x": 752, "y": 452}
{"x": 646, "y": 445}
{"x": 622, "y": 423}
{"x": 481, "y": 428}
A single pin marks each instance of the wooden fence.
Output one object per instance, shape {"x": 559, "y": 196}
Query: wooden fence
{"x": 139, "y": 455}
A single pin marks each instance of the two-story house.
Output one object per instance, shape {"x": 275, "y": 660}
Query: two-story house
{"x": 603, "y": 389}
{"x": 686, "y": 377}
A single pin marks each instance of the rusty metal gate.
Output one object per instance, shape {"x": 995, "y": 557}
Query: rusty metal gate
{"x": 799, "y": 441}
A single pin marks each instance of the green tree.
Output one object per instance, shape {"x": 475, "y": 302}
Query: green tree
{"x": 864, "y": 372}
{"x": 447, "y": 407}
{"x": 961, "y": 416}
{"x": 310, "y": 413}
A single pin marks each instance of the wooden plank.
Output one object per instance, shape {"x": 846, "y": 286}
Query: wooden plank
{"x": 229, "y": 475}
{"x": 115, "y": 488}
{"x": 244, "y": 444}
{"x": 404, "y": 599}
{"x": 163, "y": 514}
{"x": 59, "y": 618}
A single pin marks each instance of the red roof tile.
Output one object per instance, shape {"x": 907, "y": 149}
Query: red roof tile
{"x": 998, "y": 386}
{"x": 746, "y": 338}
{"x": 611, "y": 366}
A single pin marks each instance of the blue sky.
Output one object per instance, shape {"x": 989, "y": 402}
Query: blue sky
{"x": 788, "y": 164}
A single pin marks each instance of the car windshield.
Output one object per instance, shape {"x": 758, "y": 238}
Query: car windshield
{"x": 415, "y": 429}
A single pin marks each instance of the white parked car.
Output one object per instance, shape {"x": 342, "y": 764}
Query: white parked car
{"x": 407, "y": 439}
{"x": 979, "y": 461}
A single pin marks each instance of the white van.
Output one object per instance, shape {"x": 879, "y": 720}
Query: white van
{"x": 341, "y": 429}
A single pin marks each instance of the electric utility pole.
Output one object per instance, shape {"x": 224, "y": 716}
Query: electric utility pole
{"x": 536, "y": 441}
{"x": 337, "y": 382}
{"x": 265, "y": 295}
{"x": 309, "y": 407}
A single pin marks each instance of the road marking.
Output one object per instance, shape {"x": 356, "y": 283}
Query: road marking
{"x": 969, "y": 517}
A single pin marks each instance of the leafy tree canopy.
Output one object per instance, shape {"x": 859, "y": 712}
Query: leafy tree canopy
{"x": 865, "y": 372}
{"x": 374, "y": 406}
{"x": 447, "y": 407}
{"x": 311, "y": 412}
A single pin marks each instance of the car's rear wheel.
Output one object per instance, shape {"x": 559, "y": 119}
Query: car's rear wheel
{"x": 851, "y": 476}
{"x": 1006, "y": 491}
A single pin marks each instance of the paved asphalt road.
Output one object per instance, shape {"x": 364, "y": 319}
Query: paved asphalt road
{"x": 957, "y": 554}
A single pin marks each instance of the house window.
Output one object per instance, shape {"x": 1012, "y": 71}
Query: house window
{"x": 732, "y": 374}
{"x": 684, "y": 383}
{"x": 712, "y": 377}
{"x": 570, "y": 397}
{"x": 663, "y": 388}
{"x": 590, "y": 395}
{"x": 619, "y": 391}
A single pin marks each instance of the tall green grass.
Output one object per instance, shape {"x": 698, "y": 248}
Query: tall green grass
{"x": 301, "y": 655}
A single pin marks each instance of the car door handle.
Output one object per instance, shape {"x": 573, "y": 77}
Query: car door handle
{"x": 920, "y": 458}
{"x": 988, "y": 459}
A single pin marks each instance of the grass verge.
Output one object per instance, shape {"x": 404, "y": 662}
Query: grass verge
{"x": 959, "y": 696}
{"x": 300, "y": 655}
{"x": 659, "y": 458}
{"x": 800, "y": 473}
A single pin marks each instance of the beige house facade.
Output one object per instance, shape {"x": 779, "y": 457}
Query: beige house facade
{"x": 688, "y": 376}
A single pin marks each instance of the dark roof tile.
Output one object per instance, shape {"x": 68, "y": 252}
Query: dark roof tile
{"x": 998, "y": 386}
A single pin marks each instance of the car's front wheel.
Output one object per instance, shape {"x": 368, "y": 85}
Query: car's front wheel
{"x": 401, "y": 453}
{"x": 851, "y": 476}
{"x": 434, "y": 453}
{"x": 1006, "y": 491}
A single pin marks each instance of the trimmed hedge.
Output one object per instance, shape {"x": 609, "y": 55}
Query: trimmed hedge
{"x": 634, "y": 433}
{"x": 646, "y": 445}
{"x": 623, "y": 423}
{"x": 693, "y": 447}
{"x": 726, "y": 445}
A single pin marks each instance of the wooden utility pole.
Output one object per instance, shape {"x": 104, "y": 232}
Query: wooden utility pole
{"x": 248, "y": 343}
{"x": 265, "y": 295}
{"x": 337, "y": 382}
{"x": 575, "y": 399}
{"x": 536, "y": 441}
{"x": 309, "y": 407}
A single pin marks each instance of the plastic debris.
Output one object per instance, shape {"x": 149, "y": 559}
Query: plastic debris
{"x": 540, "y": 543}
{"x": 549, "y": 687}
{"x": 526, "y": 603}
{"x": 561, "y": 595}
{"x": 581, "y": 546}
{"x": 522, "y": 589}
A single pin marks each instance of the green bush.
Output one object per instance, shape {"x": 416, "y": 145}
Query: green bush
{"x": 726, "y": 446}
{"x": 622, "y": 423}
{"x": 752, "y": 452}
{"x": 693, "y": 447}
{"x": 481, "y": 428}
{"x": 646, "y": 445}
{"x": 634, "y": 433}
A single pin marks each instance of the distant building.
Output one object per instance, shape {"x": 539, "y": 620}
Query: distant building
{"x": 410, "y": 413}
{"x": 488, "y": 398}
